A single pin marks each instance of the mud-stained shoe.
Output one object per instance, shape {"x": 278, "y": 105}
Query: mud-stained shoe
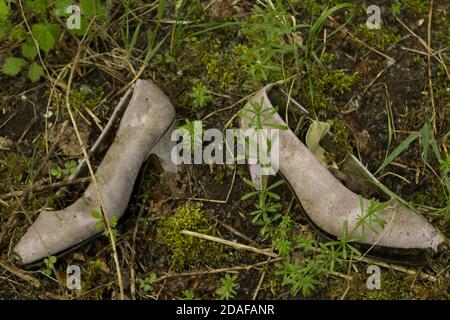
{"x": 144, "y": 129}
{"x": 330, "y": 205}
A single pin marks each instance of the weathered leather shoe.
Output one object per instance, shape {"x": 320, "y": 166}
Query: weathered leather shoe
{"x": 144, "y": 129}
{"x": 330, "y": 205}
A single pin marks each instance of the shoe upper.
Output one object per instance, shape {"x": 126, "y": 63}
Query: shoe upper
{"x": 334, "y": 208}
{"x": 147, "y": 118}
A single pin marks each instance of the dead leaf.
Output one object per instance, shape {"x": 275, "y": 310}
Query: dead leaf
{"x": 364, "y": 143}
{"x": 103, "y": 266}
{"x": 78, "y": 257}
{"x": 161, "y": 207}
{"x": 315, "y": 134}
{"x": 5, "y": 143}
{"x": 170, "y": 181}
{"x": 68, "y": 142}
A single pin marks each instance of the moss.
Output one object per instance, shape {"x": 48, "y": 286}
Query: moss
{"x": 392, "y": 288}
{"x": 94, "y": 271}
{"x": 418, "y": 7}
{"x": 337, "y": 81}
{"x": 222, "y": 68}
{"x": 186, "y": 250}
{"x": 326, "y": 84}
{"x": 87, "y": 98}
{"x": 381, "y": 38}
{"x": 435, "y": 198}
{"x": 219, "y": 177}
{"x": 13, "y": 171}
{"x": 340, "y": 143}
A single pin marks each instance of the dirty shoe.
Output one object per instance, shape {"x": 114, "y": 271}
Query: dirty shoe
{"x": 144, "y": 129}
{"x": 331, "y": 206}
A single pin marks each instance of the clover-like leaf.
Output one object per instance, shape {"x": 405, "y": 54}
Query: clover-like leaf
{"x": 29, "y": 50}
{"x": 46, "y": 35}
{"x": 13, "y": 65}
{"x": 35, "y": 72}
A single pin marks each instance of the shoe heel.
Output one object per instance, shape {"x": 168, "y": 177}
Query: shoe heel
{"x": 163, "y": 149}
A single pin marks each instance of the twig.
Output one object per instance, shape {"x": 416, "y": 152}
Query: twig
{"x": 261, "y": 279}
{"x": 266, "y": 252}
{"x": 424, "y": 276}
{"x": 388, "y": 265}
{"x": 218, "y": 201}
{"x": 111, "y": 122}
{"x": 213, "y": 271}
{"x": 233, "y": 230}
{"x": 22, "y": 275}
{"x": 13, "y": 218}
{"x": 27, "y": 128}
{"x": 356, "y": 39}
{"x": 349, "y": 269}
{"x": 133, "y": 253}
{"x": 52, "y": 149}
{"x": 91, "y": 170}
{"x": 430, "y": 81}
{"x": 425, "y": 45}
{"x": 42, "y": 188}
{"x": 9, "y": 119}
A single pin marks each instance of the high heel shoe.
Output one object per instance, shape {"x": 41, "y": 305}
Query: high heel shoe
{"x": 330, "y": 206}
{"x": 144, "y": 129}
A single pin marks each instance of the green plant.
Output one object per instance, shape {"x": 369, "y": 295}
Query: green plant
{"x": 273, "y": 42}
{"x": 428, "y": 141}
{"x": 4, "y": 9}
{"x": 186, "y": 250}
{"x": 49, "y": 265}
{"x": 326, "y": 83}
{"x": 311, "y": 50}
{"x": 298, "y": 277}
{"x": 188, "y": 295}
{"x": 344, "y": 242}
{"x": 100, "y": 224}
{"x": 228, "y": 287}
{"x": 397, "y": 151}
{"x": 281, "y": 236}
{"x": 69, "y": 168}
{"x": 395, "y": 8}
{"x": 418, "y": 7}
{"x": 381, "y": 39}
{"x": 267, "y": 204}
{"x": 146, "y": 283}
{"x": 201, "y": 95}
{"x": 44, "y": 31}
{"x": 193, "y": 130}
{"x": 13, "y": 65}
{"x": 322, "y": 258}
{"x": 370, "y": 218}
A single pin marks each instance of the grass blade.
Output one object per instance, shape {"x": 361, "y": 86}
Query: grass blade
{"x": 397, "y": 151}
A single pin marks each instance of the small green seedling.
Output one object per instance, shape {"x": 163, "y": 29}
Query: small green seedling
{"x": 49, "y": 265}
{"x": 100, "y": 224}
{"x": 146, "y": 283}
{"x": 188, "y": 295}
{"x": 228, "y": 287}
{"x": 201, "y": 95}
{"x": 70, "y": 167}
